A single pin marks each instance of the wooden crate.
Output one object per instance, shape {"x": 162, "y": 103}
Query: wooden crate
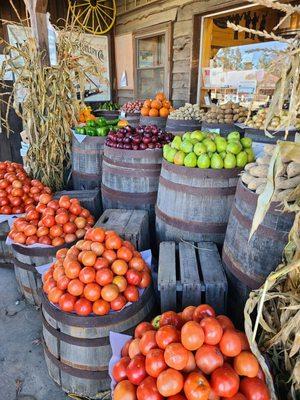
{"x": 191, "y": 274}
{"x": 132, "y": 225}
{"x": 89, "y": 199}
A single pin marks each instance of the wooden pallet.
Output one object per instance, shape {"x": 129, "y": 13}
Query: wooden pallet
{"x": 89, "y": 199}
{"x": 191, "y": 274}
{"x": 132, "y": 225}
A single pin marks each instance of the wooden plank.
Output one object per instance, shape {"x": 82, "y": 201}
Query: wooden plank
{"x": 189, "y": 275}
{"x": 167, "y": 276}
{"x": 116, "y": 220}
{"x": 213, "y": 276}
{"x": 137, "y": 229}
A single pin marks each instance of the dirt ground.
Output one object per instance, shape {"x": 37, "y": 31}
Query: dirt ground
{"x": 23, "y": 372}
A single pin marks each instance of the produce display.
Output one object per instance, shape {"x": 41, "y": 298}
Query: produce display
{"x": 97, "y": 127}
{"x": 255, "y": 176}
{"x": 139, "y": 138}
{"x": 86, "y": 115}
{"x": 132, "y": 107}
{"x": 187, "y": 112}
{"x": 17, "y": 191}
{"x": 96, "y": 275}
{"x": 209, "y": 150}
{"x": 258, "y": 120}
{"x": 159, "y": 107}
{"x": 109, "y": 106}
{"x": 228, "y": 113}
{"x": 52, "y": 222}
{"x": 193, "y": 355}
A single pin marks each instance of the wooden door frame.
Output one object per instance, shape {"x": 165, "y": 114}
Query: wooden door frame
{"x": 154, "y": 30}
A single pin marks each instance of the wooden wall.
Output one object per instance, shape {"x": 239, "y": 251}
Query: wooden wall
{"x": 184, "y": 15}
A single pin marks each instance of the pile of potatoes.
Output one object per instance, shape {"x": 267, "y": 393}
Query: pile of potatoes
{"x": 257, "y": 121}
{"x": 255, "y": 176}
{"x": 188, "y": 112}
{"x": 228, "y": 113}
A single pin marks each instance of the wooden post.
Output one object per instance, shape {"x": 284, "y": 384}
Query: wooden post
{"x": 38, "y": 18}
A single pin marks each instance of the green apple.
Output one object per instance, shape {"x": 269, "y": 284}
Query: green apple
{"x": 246, "y": 143}
{"x": 216, "y": 161}
{"x": 242, "y": 159}
{"x": 190, "y": 160}
{"x": 187, "y": 135}
{"x": 229, "y": 161}
{"x": 203, "y": 161}
{"x": 186, "y": 146}
{"x": 200, "y": 148}
{"x": 176, "y": 142}
{"x": 251, "y": 156}
{"x": 166, "y": 149}
{"x": 210, "y": 145}
{"x": 179, "y": 158}
{"x": 221, "y": 144}
{"x": 170, "y": 155}
{"x": 234, "y": 147}
{"x": 223, "y": 154}
{"x": 234, "y": 136}
{"x": 197, "y": 135}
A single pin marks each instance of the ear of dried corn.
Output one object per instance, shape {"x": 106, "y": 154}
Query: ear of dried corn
{"x": 50, "y": 105}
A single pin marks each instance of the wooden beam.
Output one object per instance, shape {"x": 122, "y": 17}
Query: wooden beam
{"x": 38, "y": 18}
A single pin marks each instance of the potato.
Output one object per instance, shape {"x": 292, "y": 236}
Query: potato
{"x": 246, "y": 178}
{"x": 250, "y": 165}
{"x": 289, "y": 183}
{"x": 293, "y": 169}
{"x": 269, "y": 149}
{"x": 287, "y": 194}
{"x": 263, "y": 160}
{"x": 260, "y": 171}
{"x": 256, "y": 182}
{"x": 260, "y": 189}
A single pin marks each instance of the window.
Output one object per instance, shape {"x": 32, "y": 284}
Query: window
{"x": 152, "y": 64}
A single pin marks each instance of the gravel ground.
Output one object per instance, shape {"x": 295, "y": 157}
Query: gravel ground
{"x": 23, "y": 372}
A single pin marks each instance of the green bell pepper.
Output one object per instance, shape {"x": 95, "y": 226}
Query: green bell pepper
{"x": 91, "y": 131}
{"x": 91, "y": 123}
{"x": 114, "y": 121}
{"x": 80, "y": 130}
{"x": 102, "y": 131}
{"x": 101, "y": 122}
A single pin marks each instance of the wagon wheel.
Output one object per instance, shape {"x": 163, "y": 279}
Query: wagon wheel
{"x": 94, "y": 16}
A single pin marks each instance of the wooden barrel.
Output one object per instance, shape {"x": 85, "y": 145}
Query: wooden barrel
{"x": 180, "y": 126}
{"x": 194, "y": 204}
{"x": 6, "y": 256}
{"x": 87, "y": 162}
{"x": 160, "y": 122}
{"x": 248, "y": 263}
{"x": 130, "y": 179}
{"x": 222, "y": 129}
{"x": 259, "y": 136}
{"x": 133, "y": 119}
{"x": 77, "y": 349}
{"x": 107, "y": 114}
{"x": 25, "y": 260}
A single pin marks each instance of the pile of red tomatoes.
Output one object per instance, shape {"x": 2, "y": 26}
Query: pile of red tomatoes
{"x": 97, "y": 274}
{"x": 52, "y": 222}
{"x": 193, "y": 355}
{"x": 17, "y": 190}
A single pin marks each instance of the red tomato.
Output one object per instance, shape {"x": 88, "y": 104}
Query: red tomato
{"x": 119, "y": 369}
{"x": 208, "y": 358}
{"x": 72, "y": 268}
{"x": 124, "y": 390}
{"x": 136, "y": 371}
{"x": 110, "y": 292}
{"x": 171, "y": 318}
{"x": 124, "y": 254}
{"x": 146, "y": 279}
{"x": 101, "y": 307}
{"x": 212, "y": 330}
{"x": 169, "y": 382}
{"x": 142, "y": 328}
{"x": 121, "y": 282}
{"x": 48, "y": 221}
{"x": 133, "y": 277}
{"x": 89, "y": 258}
{"x": 75, "y": 287}
{"x": 244, "y": 340}
{"x": 124, "y": 351}
{"x": 148, "y": 342}
{"x": 119, "y": 267}
{"x": 118, "y": 303}
{"x": 134, "y": 348}
{"x": 196, "y": 386}
{"x": 83, "y": 307}
{"x": 92, "y": 292}
{"x": 137, "y": 263}
{"x": 166, "y": 335}
{"x": 67, "y": 302}
{"x": 230, "y": 344}
{"x": 101, "y": 263}
{"x": 87, "y": 275}
{"x": 225, "y": 381}
{"x": 62, "y": 218}
{"x": 192, "y": 335}
{"x": 113, "y": 242}
{"x": 254, "y": 389}
{"x": 155, "y": 362}
{"x": 55, "y": 294}
{"x": 176, "y": 356}
{"x": 131, "y": 293}
{"x": 62, "y": 282}
{"x": 147, "y": 390}
{"x": 238, "y": 396}
{"x": 225, "y": 322}
{"x": 203, "y": 311}
{"x": 70, "y": 227}
{"x": 56, "y": 231}
{"x": 246, "y": 364}
{"x": 191, "y": 364}
{"x": 187, "y": 313}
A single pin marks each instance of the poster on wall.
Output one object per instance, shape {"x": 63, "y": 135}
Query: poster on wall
{"x": 96, "y": 46}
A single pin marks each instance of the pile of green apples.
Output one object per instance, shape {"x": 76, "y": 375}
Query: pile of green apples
{"x": 209, "y": 150}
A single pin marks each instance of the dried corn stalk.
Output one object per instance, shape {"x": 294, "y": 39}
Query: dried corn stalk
{"x": 288, "y": 85}
{"x": 50, "y": 106}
